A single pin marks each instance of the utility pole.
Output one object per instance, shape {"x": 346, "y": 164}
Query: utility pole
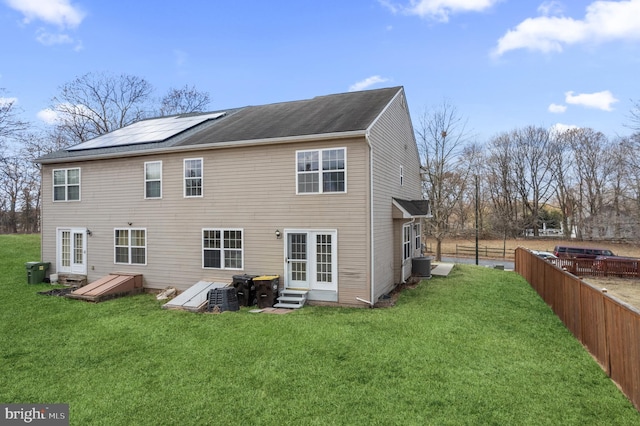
{"x": 477, "y": 209}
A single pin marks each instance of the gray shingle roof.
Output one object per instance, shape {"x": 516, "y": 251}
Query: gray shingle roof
{"x": 323, "y": 114}
{"x": 338, "y": 113}
{"x": 415, "y": 208}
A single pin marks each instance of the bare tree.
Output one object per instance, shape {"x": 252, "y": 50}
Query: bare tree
{"x": 10, "y": 124}
{"x": 184, "y": 100}
{"x": 590, "y": 149}
{"x": 98, "y": 103}
{"x": 635, "y": 116}
{"x": 502, "y": 188}
{"x": 563, "y": 165}
{"x": 442, "y": 135}
{"x": 533, "y": 171}
{"x": 12, "y": 179}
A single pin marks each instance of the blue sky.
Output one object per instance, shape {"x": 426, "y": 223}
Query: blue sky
{"x": 504, "y": 64}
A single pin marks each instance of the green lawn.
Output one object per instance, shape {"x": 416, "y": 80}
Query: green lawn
{"x": 478, "y": 347}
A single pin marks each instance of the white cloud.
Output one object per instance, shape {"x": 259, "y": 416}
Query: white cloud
{"x": 557, "y": 109}
{"x": 561, "y": 128}
{"x": 439, "y": 10}
{"x": 603, "y": 21}
{"x": 48, "y": 115}
{"x": 59, "y": 12}
{"x": 367, "y": 82}
{"x": 49, "y": 39}
{"x": 599, "y": 100}
{"x": 550, "y": 8}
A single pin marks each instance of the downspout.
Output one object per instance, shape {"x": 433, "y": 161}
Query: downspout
{"x": 372, "y": 244}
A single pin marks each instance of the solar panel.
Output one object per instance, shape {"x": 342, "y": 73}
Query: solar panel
{"x": 152, "y": 130}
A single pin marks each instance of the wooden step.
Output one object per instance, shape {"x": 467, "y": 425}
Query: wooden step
{"x": 288, "y": 305}
{"x": 291, "y": 299}
{"x": 291, "y": 291}
{"x": 72, "y": 280}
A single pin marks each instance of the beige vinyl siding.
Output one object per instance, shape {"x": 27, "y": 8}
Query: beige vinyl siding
{"x": 393, "y": 145}
{"x": 252, "y": 188}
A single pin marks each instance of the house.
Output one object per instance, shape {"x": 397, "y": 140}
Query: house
{"x": 325, "y": 192}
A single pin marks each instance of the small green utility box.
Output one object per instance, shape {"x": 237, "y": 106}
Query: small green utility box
{"x": 36, "y": 271}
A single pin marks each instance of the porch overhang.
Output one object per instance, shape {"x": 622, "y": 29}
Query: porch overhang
{"x": 410, "y": 209}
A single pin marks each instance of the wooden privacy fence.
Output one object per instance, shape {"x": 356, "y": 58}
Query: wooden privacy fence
{"x": 606, "y": 326}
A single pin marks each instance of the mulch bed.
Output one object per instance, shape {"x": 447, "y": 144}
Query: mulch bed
{"x": 57, "y": 291}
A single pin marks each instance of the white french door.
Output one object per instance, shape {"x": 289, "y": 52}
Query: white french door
{"x": 71, "y": 250}
{"x": 311, "y": 259}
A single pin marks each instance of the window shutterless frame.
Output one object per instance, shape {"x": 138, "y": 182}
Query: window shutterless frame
{"x": 193, "y": 177}
{"x": 130, "y": 246}
{"x": 152, "y": 179}
{"x": 66, "y": 184}
{"x": 321, "y": 171}
{"x": 223, "y": 248}
{"x": 406, "y": 241}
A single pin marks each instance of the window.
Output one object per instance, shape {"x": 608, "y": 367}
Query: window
{"x": 193, "y": 177}
{"x": 130, "y": 246}
{"x": 66, "y": 185}
{"x": 222, "y": 248}
{"x": 406, "y": 242}
{"x": 321, "y": 171}
{"x": 401, "y": 176}
{"x": 418, "y": 232}
{"x": 153, "y": 179}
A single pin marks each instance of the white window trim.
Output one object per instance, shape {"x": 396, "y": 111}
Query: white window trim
{"x": 406, "y": 242}
{"x": 320, "y": 171}
{"x": 152, "y": 180}
{"x": 184, "y": 178}
{"x": 418, "y": 236}
{"x": 146, "y": 244}
{"x": 66, "y": 185}
{"x": 222, "y": 248}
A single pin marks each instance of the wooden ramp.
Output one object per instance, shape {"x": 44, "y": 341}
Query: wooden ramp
{"x": 113, "y": 285}
{"x": 194, "y": 298}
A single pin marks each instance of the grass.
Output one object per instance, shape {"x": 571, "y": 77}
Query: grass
{"x": 478, "y": 347}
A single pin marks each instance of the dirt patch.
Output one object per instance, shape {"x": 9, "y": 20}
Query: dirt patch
{"x": 625, "y": 289}
{"x": 389, "y": 300}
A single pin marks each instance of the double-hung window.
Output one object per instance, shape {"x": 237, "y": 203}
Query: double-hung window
{"x": 418, "y": 233}
{"x": 321, "y": 171}
{"x": 130, "y": 246}
{"x": 193, "y": 177}
{"x": 222, "y": 248}
{"x": 66, "y": 185}
{"x": 153, "y": 179}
